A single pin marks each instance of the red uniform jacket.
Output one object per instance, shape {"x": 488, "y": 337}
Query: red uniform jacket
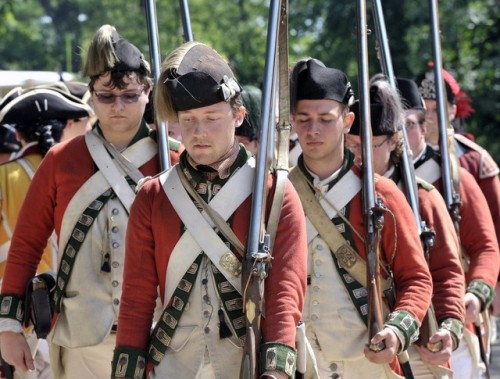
{"x": 65, "y": 168}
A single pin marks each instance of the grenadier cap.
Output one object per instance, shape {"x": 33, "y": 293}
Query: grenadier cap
{"x": 109, "y": 52}
{"x": 194, "y": 75}
{"x": 453, "y": 92}
{"x": 427, "y": 87}
{"x": 312, "y": 80}
{"x": 252, "y": 97}
{"x": 409, "y": 94}
{"x": 43, "y": 104}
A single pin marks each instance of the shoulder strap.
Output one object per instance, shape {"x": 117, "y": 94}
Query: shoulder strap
{"x": 216, "y": 218}
{"x": 30, "y": 171}
{"x": 348, "y": 258}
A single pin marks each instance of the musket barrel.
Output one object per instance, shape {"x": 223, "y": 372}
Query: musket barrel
{"x": 441, "y": 105}
{"x": 186, "y": 20}
{"x": 253, "y": 270}
{"x": 410, "y": 186}
{"x": 154, "y": 51}
{"x": 372, "y": 231}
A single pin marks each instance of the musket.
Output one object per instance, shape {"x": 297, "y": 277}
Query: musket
{"x": 154, "y": 51}
{"x": 186, "y": 20}
{"x": 373, "y": 212}
{"x": 451, "y": 194}
{"x": 255, "y": 263}
{"x": 407, "y": 169}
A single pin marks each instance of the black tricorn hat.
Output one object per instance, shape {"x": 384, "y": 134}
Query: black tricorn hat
{"x": 194, "y": 75}
{"x": 11, "y": 95}
{"x": 109, "y": 52}
{"x": 43, "y": 104}
{"x": 409, "y": 94}
{"x": 315, "y": 81}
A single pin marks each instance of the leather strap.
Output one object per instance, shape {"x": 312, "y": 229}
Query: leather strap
{"x": 347, "y": 257}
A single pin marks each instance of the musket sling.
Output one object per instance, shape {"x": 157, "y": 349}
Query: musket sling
{"x": 347, "y": 259}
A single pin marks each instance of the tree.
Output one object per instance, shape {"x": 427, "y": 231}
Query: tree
{"x": 53, "y": 35}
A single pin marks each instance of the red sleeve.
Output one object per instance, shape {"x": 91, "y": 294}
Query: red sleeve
{"x": 286, "y": 285}
{"x": 477, "y": 232}
{"x": 482, "y": 167}
{"x": 401, "y": 248}
{"x": 140, "y": 279}
{"x": 444, "y": 261}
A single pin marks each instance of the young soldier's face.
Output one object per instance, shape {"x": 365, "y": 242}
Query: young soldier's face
{"x": 382, "y": 146}
{"x": 119, "y": 110}
{"x": 208, "y": 132}
{"x": 416, "y": 129}
{"x": 320, "y": 127}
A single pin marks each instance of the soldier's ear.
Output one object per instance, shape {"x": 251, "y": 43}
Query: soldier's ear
{"x": 348, "y": 120}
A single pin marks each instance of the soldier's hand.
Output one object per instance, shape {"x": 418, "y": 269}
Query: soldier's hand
{"x": 472, "y": 308}
{"x": 442, "y": 356}
{"x": 391, "y": 343}
{"x": 16, "y": 351}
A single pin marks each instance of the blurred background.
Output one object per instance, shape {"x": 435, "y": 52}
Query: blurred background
{"x": 52, "y": 35}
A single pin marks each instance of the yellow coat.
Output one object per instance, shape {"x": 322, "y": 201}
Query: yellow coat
{"x": 14, "y": 184}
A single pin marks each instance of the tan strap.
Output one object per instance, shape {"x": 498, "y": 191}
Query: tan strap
{"x": 216, "y": 218}
{"x": 348, "y": 258}
{"x": 277, "y": 204}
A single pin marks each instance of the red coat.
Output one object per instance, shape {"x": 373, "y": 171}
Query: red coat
{"x": 477, "y": 232}
{"x": 65, "y": 168}
{"x": 400, "y": 247}
{"x": 444, "y": 263}
{"x": 485, "y": 171}
{"x": 154, "y": 229}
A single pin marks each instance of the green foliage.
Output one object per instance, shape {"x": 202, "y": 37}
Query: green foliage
{"x": 54, "y": 34}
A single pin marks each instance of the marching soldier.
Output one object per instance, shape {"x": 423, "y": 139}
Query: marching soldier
{"x": 171, "y": 244}
{"x": 38, "y": 129}
{"x": 471, "y": 156}
{"x": 83, "y": 190}
{"x": 329, "y": 186}
{"x": 39, "y": 117}
{"x": 476, "y": 233}
{"x": 443, "y": 258}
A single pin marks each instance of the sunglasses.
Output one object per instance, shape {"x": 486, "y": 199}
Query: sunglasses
{"x": 109, "y": 98}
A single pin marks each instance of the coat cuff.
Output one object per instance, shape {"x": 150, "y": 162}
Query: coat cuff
{"x": 12, "y": 306}
{"x": 128, "y": 363}
{"x": 456, "y": 329}
{"x": 483, "y": 291}
{"x": 407, "y": 324}
{"x": 278, "y": 357}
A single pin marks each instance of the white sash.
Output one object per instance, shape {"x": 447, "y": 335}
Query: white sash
{"x": 430, "y": 171}
{"x": 339, "y": 196}
{"x": 200, "y": 235}
{"x": 95, "y": 186}
{"x": 113, "y": 173}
